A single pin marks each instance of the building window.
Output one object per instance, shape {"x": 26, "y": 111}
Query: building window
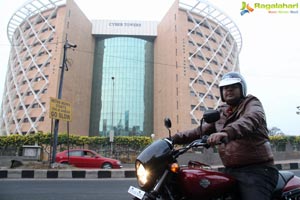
{"x": 201, "y": 82}
{"x": 192, "y": 68}
{"x": 202, "y": 108}
{"x": 192, "y": 93}
{"x": 194, "y": 121}
{"x": 35, "y": 105}
{"x": 220, "y": 54}
{"x": 191, "y": 43}
{"x": 209, "y": 96}
{"x": 214, "y": 40}
{"x": 214, "y": 62}
{"x": 200, "y": 34}
{"x": 44, "y": 91}
{"x": 200, "y": 57}
{"x": 207, "y": 48}
{"x": 53, "y": 16}
{"x": 208, "y": 71}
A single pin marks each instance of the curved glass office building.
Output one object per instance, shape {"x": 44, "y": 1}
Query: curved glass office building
{"x": 124, "y": 77}
{"x": 122, "y": 94}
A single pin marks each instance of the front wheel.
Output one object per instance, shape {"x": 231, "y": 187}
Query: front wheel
{"x": 106, "y": 166}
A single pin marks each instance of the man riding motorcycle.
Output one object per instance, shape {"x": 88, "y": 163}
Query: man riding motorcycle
{"x": 246, "y": 152}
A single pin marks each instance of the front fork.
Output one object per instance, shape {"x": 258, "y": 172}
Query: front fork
{"x": 154, "y": 194}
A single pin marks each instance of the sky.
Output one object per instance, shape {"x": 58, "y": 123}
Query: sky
{"x": 269, "y": 58}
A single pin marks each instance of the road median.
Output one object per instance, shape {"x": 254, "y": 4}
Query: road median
{"x": 100, "y": 173}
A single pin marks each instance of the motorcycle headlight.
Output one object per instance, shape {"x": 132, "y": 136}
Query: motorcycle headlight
{"x": 142, "y": 174}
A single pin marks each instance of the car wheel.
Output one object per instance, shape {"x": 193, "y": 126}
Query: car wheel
{"x": 106, "y": 166}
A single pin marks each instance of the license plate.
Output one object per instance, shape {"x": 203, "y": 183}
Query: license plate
{"x": 136, "y": 192}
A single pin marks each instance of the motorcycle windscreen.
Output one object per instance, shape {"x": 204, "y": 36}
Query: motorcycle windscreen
{"x": 156, "y": 157}
{"x": 157, "y": 153}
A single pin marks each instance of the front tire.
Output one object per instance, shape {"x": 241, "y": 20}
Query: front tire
{"x": 106, "y": 166}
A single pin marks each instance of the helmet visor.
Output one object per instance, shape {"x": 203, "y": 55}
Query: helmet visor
{"x": 229, "y": 81}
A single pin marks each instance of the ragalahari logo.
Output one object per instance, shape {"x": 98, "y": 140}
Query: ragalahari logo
{"x": 246, "y": 8}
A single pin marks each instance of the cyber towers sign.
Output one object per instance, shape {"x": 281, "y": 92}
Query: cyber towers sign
{"x": 123, "y": 27}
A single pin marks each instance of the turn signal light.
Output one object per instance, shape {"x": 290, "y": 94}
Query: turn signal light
{"x": 174, "y": 167}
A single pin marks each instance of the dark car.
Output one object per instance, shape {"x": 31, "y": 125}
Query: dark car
{"x": 84, "y": 158}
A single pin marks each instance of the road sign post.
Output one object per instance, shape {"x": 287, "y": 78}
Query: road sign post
{"x": 59, "y": 95}
{"x": 59, "y": 110}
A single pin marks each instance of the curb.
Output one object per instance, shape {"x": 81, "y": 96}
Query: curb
{"x": 96, "y": 174}
{"x": 288, "y": 166}
{"x": 65, "y": 174}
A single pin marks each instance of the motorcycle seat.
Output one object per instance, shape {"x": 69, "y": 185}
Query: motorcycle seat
{"x": 283, "y": 178}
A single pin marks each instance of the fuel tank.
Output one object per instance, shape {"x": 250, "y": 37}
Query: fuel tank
{"x": 292, "y": 188}
{"x": 198, "y": 183}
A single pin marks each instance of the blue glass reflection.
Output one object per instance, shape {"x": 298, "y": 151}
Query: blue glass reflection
{"x": 126, "y": 87}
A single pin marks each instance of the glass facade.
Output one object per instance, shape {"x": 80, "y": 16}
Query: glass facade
{"x": 122, "y": 93}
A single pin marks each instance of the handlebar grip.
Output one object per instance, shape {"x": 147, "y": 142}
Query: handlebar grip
{"x": 224, "y": 140}
{"x": 204, "y": 140}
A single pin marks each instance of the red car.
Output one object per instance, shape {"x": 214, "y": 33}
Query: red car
{"x": 84, "y": 158}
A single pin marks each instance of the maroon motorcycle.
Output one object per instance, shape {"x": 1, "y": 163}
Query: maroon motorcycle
{"x": 160, "y": 177}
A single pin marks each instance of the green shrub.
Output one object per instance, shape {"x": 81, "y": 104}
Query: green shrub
{"x": 133, "y": 142}
{"x": 278, "y": 139}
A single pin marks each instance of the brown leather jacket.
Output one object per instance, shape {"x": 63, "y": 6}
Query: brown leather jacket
{"x": 248, "y": 141}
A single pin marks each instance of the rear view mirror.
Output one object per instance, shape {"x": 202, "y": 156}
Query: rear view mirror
{"x": 211, "y": 116}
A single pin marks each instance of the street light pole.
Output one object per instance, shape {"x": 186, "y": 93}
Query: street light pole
{"x": 112, "y": 117}
{"x": 63, "y": 67}
{"x": 112, "y": 106}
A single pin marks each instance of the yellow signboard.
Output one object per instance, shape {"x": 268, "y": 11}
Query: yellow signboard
{"x": 60, "y": 109}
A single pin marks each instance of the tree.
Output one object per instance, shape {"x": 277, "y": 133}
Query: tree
{"x": 275, "y": 131}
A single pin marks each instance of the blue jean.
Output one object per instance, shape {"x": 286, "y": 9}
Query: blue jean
{"x": 255, "y": 182}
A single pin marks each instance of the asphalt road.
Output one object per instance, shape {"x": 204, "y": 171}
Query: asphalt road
{"x": 69, "y": 189}
{"x": 78, "y": 189}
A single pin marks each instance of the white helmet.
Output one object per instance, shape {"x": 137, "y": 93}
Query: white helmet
{"x": 231, "y": 78}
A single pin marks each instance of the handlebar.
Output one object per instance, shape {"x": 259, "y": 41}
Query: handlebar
{"x": 202, "y": 142}
{"x": 196, "y": 143}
